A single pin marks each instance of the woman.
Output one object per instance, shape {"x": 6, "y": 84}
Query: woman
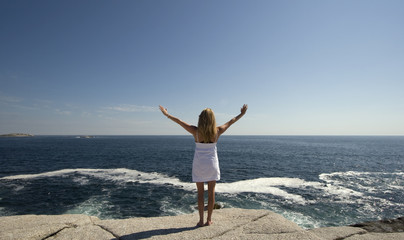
{"x": 205, "y": 167}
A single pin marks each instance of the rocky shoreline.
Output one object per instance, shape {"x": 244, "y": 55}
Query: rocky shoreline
{"x": 16, "y": 135}
{"x": 231, "y": 223}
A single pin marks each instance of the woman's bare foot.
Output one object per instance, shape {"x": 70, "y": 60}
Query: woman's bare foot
{"x": 200, "y": 224}
{"x": 208, "y": 223}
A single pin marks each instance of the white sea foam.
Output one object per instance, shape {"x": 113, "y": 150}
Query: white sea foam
{"x": 81, "y": 180}
{"x": 370, "y": 182}
{"x": 93, "y": 207}
{"x": 269, "y": 186}
{"x": 338, "y": 184}
{"x": 171, "y": 208}
{"x": 305, "y": 221}
{"x": 123, "y": 175}
{"x": 46, "y": 174}
{"x": 116, "y": 175}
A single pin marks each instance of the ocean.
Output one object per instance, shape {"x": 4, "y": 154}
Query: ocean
{"x": 314, "y": 181}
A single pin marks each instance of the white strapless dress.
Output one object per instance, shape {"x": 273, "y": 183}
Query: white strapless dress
{"x": 205, "y": 166}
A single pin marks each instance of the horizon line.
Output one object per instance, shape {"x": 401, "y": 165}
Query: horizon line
{"x": 33, "y": 135}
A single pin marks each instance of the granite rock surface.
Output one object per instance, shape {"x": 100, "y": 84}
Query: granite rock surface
{"x": 231, "y": 223}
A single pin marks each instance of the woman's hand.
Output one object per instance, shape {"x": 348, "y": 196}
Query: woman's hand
{"x": 186, "y": 126}
{"x": 163, "y": 110}
{"x": 244, "y": 109}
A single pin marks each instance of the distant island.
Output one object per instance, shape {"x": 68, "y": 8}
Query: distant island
{"x": 16, "y": 135}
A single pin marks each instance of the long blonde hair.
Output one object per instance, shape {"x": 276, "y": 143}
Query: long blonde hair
{"x": 207, "y": 125}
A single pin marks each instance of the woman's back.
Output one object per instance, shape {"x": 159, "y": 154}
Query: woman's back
{"x": 200, "y": 139}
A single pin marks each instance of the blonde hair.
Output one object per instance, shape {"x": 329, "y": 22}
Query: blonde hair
{"x": 207, "y": 125}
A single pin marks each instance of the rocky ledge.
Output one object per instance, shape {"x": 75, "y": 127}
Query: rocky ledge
{"x": 16, "y": 135}
{"x": 228, "y": 224}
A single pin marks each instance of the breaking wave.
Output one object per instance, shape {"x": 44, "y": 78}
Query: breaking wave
{"x": 345, "y": 185}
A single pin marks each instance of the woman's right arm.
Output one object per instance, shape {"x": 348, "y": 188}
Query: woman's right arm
{"x": 191, "y": 129}
{"x": 225, "y": 126}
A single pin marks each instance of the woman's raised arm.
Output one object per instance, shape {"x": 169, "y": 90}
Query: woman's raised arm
{"x": 189, "y": 128}
{"x": 225, "y": 126}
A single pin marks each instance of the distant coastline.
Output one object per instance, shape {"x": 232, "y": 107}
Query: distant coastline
{"x": 16, "y": 135}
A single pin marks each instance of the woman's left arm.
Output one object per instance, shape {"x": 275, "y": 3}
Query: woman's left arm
{"x": 189, "y": 128}
{"x": 225, "y": 126}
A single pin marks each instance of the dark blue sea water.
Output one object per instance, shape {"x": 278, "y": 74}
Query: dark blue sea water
{"x": 314, "y": 181}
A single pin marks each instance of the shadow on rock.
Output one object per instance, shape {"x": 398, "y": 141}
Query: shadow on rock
{"x": 151, "y": 233}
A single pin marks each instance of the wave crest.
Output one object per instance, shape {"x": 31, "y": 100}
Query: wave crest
{"x": 339, "y": 184}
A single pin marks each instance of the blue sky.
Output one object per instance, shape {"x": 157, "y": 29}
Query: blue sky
{"x": 103, "y": 67}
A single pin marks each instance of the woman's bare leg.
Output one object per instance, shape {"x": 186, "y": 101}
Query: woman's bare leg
{"x": 211, "y": 201}
{"x": 201, "y": 199}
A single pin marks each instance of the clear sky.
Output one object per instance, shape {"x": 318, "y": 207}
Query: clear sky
{"x": 103, "y": 67}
